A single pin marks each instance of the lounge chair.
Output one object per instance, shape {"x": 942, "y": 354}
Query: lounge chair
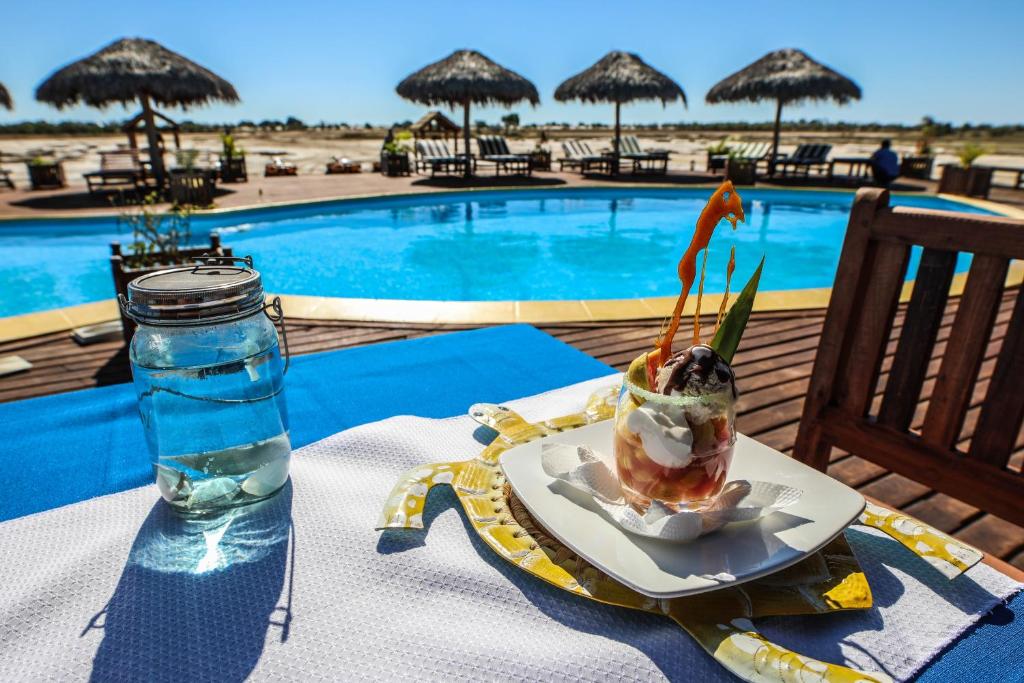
{"x": 279, "y": 167}
{"x": 5, "y": 176}
{"x": 494, "y": 148}
{"x": 579, "y": 155}
{"x": 119, "y": 169}
{"x": 654, "y": 161}
{"x": 754, "y": 152}
{"x": 434, "y": 154}
{"x": 803, "y": 159}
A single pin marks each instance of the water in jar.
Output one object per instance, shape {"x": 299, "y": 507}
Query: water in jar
{"x": 218, "y": 432}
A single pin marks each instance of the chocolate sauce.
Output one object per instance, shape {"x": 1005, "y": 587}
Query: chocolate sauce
{"x": 694, "y": 371}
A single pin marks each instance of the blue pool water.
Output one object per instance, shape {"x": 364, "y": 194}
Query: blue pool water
{"x": 501, "y": 245}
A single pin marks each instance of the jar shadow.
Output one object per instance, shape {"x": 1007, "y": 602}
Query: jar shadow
{"x": 199, "y": 594}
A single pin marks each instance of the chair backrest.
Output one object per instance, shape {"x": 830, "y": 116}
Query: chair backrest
{"x": 570, "y": 150}
{"x": 431, "y": 149}
{"x": 585, "y": 149}
{"x": 500, "y": 144}
{"x": 740, "y": 149}
{"x": 947, "y": 443}
{"x": 812, "y": 152}
{"x": 758, "y": 150}
{"x": 486, "y": 145}
{"x": 630, "y": 145}
{"x": 120, "y": 160}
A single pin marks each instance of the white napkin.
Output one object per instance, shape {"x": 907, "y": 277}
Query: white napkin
{"x": 594, "y": 473}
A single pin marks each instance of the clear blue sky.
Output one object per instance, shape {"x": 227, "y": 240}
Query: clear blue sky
{"x": 340, "y": 61}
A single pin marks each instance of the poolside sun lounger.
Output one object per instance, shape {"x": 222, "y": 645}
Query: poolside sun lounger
{"x": 278, "y": 167}
{"x": 804, "y": 159}
{"x": 494, "y": 148}
{"x": 434, "y": 154}
{"x": 579, "y": 155}
{"x": 119, "y": 169}
{"x": 653, "y": 161}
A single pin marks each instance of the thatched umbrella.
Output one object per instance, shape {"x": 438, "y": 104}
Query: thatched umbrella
{"x": 136, "y": 69}
{"x": 467, "y": 77}
{"x": 787, "y": 76}
{"x": 620, "y": 77}
{"x": 5, "y": 98}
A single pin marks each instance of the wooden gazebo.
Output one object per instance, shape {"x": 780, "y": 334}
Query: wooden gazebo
{"x": 436, "y": 126}
{"x": 137, "y": 124}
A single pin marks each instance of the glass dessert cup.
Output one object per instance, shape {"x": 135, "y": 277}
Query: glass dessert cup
{"x": 673, "y": 449}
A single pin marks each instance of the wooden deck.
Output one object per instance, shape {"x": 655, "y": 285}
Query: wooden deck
{"x": 773, "y": 366}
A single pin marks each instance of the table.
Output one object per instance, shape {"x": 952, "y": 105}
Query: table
{"x": 96, "y": 433}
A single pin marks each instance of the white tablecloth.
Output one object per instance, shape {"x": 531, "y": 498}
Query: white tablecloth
{"x": 118, "y": 588}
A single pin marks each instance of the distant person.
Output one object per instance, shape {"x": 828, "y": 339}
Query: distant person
{"x": 885, "y": 165}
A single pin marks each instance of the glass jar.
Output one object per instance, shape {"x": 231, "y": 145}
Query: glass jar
{"x": 673, "y": 449}
{"x": 210, "y": 382}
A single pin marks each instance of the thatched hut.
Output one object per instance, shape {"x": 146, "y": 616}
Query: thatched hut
{"x": 464, "y": 78}
{"x": 136, "y": 69}
{"x": 620, "y": 77}
{"x": 787, "y": 76}
{"x": 5, "y": 98}
{"x": 436, "y": 126}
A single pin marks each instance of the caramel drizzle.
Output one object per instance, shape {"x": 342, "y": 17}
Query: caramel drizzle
{"x": 724, "y": 203}
{"x": 729, "y": 269}
{"x": 700, "y": 297}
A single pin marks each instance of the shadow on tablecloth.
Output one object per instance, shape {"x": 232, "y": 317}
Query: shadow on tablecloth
{"x": 197, "y": 596}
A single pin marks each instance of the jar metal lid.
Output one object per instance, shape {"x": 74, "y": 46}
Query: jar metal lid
{"x": 215, "y": 291}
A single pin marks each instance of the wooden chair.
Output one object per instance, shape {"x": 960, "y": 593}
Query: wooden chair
{"x": 839, "y": 411}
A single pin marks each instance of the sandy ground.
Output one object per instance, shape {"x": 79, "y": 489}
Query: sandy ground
{"x": 310, "y": 150}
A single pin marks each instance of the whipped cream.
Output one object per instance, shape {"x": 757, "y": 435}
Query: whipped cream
{"x": 664, "y": 433}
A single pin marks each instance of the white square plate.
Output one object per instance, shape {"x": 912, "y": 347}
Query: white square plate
{"x": 732, "y": 555}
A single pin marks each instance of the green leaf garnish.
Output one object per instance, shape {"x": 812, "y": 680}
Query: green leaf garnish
{"x": 727, "y": 338}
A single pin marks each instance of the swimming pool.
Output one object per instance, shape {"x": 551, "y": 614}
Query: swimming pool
{"x": 578, "y": 243}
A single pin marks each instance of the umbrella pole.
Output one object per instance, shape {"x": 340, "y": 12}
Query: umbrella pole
{"x": 618, "y": 140}
{"x": 465, "y": 138}
{"x": 775, "y": 136}
{"x": 156, "y": 159}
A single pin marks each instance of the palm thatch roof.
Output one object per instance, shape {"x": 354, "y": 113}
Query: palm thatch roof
{"x": 788, "y": 75}
{"x": 5, "y": 98}
{"x": 467, "y": 75}
{"x": 620, "y": 77}
{"x": 131, "y": 68}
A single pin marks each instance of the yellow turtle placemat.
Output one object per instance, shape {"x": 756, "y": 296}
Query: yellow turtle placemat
{"x": 828, "y": 580}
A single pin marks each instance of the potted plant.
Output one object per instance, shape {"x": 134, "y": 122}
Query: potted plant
{"x": 540, "y": 156}
{"x": 739, "y": 170}
{"x": 232, "y": 161}
{"x": 159, "y": 240}
{"x": 718, "y": 154}
{"x": 919, "y": 164}
{"x": 394, "y": 156}
{"x": 967, "y": 179}
{"x": 189, "y": 185}
{"x": 45, "y": 174}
